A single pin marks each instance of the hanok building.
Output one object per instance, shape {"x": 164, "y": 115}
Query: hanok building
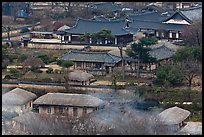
{"x": 18, "y": 100}
{"x": 106, "y": 6}
{"x": 154, "y": 24}
{"x": 83, "y": 26}
{"x": 174, "y": 117}
{"x": 73, "y": 105}
{"x": 97, "y": 63}
{"x": 162, "y": 54}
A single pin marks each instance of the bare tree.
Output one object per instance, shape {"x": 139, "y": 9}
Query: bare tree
{"x": 192, "y": 34}
{"x": 190, "y": 69}
{"x": 121, "y": 55}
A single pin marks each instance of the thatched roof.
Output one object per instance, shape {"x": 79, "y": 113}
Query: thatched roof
{"x": 79, "y": 100}
{"x": 17, "y": 96}
{"x": 80, "y": 76}
{"x": 173, "y": 115}
{"x": 33, "y": 62}
{"x": 192, "y": 128}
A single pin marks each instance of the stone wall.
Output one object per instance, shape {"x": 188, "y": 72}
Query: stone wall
{"x": 63, "y": 46}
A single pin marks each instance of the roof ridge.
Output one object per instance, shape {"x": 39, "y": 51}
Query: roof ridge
{"x": 106, "y": 21}
{"x": 85, "y": 52}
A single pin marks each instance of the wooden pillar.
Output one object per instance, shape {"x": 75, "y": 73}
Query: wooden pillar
{"x": 116, "y": 41}
{"x": 177, "y": 35}
{"x": 70, "y": 38}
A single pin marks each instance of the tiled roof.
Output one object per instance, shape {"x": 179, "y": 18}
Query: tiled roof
{"x": 93, "y": 26}
{"x": 178, "y": 15}
{"x": 149, "y": 16}
{"x": 161, "y": 52}
{"x": 192, "y": 13}
{"x": 155, "y": 25}
{"x": 106, "y": 6}
{"x": 91, "y": 57}
{"x": 100, "y": 18}
{"x": 154, "y": 8}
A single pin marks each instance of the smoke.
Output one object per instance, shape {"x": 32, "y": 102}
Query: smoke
{"x": 121, "y": 118}
{"x": 118, "y": 117}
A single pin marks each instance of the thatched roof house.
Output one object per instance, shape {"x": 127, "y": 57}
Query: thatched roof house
{"x": 35, "y": 62}
{"x": 192, "y": 128}
{"x": 78, "y": 100}
{"x": 17, "y": 96}
{"x": 173, "y": 115}
{"x": 79, "y": 75}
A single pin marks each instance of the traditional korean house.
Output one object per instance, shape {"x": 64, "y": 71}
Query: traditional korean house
{"x": 80, "y": 77}
{"x": 106, "y": 6}
{"x": 162, "y": 54}
{"x": 18, "y": 100}
{"x": 61, "y": 31}
{"x": 83, "y": 26}
{"x": 97, "y": 63}
{"x": 192, "y": 128}
{"x": 73, "y": 105}
{"x": 154, "y": 23}
{"x": 153, "y": 8}
{"x": 100, "y": 18}
{"x": 173, "y": 117}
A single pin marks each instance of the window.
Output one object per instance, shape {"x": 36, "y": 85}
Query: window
{"x": 49, "y": 110}
{"x": 88, "y": 64}
{"x": 75, "y": 112}
{"x": 98, "y": 65}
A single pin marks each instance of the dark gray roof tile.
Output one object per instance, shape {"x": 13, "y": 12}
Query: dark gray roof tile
{"x": 91, "y": 57}
{"x": 93, "y": 26}
{"x": 161, "y": 52}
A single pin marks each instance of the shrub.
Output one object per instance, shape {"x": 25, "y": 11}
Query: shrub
{"x": 47, "y": 58}
{"x": 11, "y": 57}
{"x": 13, "y": 70}
{"x": 49, "y": 70}
{"x": 36, "y": 69}
{"x": 169, "y": 74}
{"x": 7, "y": 77}
{"x": 22, "y": 58}
{"x": 4, "y": 66}
{"x": 59, "y": 62}
{"x": 157, "y": 89}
